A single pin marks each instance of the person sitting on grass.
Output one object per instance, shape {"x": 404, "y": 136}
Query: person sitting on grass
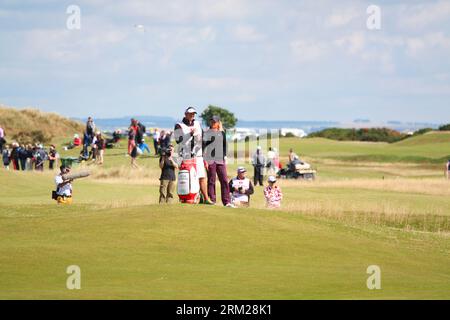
{"x": 241, "y": 189}
{"x": 273, "y": 194}
{"x": 144, "y": 146}
{"x": 167, "y": 179}
{"x": 63, "y": 187}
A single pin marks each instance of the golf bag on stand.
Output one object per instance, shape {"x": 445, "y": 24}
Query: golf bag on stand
{"x": 188, "y": 183}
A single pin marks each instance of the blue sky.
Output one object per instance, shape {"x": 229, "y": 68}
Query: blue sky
{"x": 262, "y": 59}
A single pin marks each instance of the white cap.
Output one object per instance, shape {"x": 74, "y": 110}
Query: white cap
{"x": 272, "y": 179}
{"x": 258, "y": 148}
{"x": 190, "y": 110}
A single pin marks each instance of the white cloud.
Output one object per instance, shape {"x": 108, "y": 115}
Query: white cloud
{"x": 421, "y": 15}
{"x": 415, "y": 46}
{"x": 246, "y": 33}
{"x": 214, "y": 82}
{"x": 341, "y": 18}
{"x": 353, "y": 43}
{"x": 305, "y": 51}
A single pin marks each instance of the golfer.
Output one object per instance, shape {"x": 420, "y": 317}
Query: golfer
{"x": 63, "y": 187}
{"x": 189, "y": 137}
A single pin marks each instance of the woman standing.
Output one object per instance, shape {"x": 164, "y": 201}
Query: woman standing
{"x": 132, "y": 147}
{"x": 215, "y": 154}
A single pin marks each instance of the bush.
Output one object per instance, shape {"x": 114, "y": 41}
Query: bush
{"x": 365, "y": 134}
{"x": 445, "y": 127}
{"x": 35, "y": 136}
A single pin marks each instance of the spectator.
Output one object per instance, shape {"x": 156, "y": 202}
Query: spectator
{"x": 156, "y": 136}
{"x": 52, "y": 157}
{"x": 100, "y": 146}
{"x": 167, "y": 179}
{"x": 164, "y": 139}
{"x": 23, "y": 156}
{"x": 273, "y": 194}
{"x": 258, "y": 162}
{"x": 6, "y": 157}
{"x": 144, "y": 146}
{"x": 215, "y": 153}
{"x": 241, "y": 188}
{"x": 29, "y": 164}
{"x": 2, "y": 139}
{"x": 40, "y": 156}
{"x": 132, "y": 146}
{"x": 76, "y": 140}
{"x": 448, "y": 169}
{"x": 90, "y": 127}
{"x": 15, "y": 156}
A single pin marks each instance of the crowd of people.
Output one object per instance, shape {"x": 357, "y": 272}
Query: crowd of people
{"x": 28, "y": 157}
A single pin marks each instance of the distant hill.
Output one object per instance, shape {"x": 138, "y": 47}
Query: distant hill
{"x": 430, "y": 138}
{"x": 32, "y": 125}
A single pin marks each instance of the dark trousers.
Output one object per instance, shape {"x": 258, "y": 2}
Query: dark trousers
{"x": 259, "y": 175}
{"x": 219, "y": 169}
{"x": 23, "y": 164}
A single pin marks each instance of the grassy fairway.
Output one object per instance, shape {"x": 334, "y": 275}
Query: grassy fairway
{"x": 319, "y": 246}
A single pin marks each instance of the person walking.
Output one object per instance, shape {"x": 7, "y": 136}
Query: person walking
{"x": 259, "y": 163}
{"x": 189, "y": 137}
{"x": 215, "y": 154}
{"x": 273, "y": 194}
{"x": 167, "y": 178}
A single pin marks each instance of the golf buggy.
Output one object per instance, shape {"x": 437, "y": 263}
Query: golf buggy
{"x": 298, "y": 170}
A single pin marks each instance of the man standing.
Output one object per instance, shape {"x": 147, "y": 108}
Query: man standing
{"x": 258, "y": 162}
{"x": 156, "y": 136}
{"x": 189, "y": 137}
{"x": 90, "y": 127}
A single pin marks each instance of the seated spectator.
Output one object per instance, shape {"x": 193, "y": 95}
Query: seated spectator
{"x": 241, "y": 188}
{"x": 273, "y": 194}
{"x": 76, "y": 140}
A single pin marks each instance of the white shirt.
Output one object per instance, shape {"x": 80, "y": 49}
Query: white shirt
{"x": 65, "y": 190}
{"x": 240, "y": 183}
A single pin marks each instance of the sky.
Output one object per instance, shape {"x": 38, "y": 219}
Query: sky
{"x": 261, "y": 59}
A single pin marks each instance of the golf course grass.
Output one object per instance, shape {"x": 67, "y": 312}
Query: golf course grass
{"x": 372, "y": 204}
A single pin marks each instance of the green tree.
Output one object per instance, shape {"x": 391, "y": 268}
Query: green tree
{"x": 228, "y": 119}
{"x": 445, "y": 127}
